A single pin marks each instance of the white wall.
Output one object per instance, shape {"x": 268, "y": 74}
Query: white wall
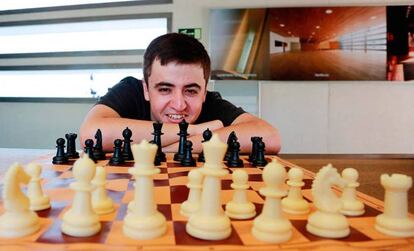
{"x": 319, "y": 117}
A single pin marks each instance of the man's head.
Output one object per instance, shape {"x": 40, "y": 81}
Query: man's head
{"x": 176, "y": 71}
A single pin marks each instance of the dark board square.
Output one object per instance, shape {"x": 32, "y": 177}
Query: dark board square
{"x": 178, "y": 174}
{"x": 54, "y": 211}
{"x": 308, "y": 183}
{"x": 354, "y": 236}
{"x": 165, "y": 210}
{"x": 54, "y": 234}
{"x": 179, "y": 193}
{"x": 115, "y": 176}
{"x": 183, "y": 238}
{"x": 161, "y": 182}
{"x": 255, "y": 177}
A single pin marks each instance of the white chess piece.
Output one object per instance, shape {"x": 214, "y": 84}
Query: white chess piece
{"x": 271, "y": 226}
{"x": 327, "y": 221}
{"x": 240, "y": 207}
{"x": 38, "y": 201}
{"x": 191, "y": 205}
{"x": 294, "y": 203}
{"x": 81, "y": 220}
{"x": 17, "y": 220}
{"x": 210, "y": 222}
{"x": 101, "y": 202}
{"x": 395, "y": 220}
{"x": 351, "y": 206}
{"x": 143, "y": 220}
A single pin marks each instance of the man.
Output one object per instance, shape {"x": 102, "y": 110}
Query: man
{"x": 176, "y": 73}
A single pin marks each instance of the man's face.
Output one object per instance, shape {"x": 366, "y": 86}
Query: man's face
{"x": 175, "y": 91}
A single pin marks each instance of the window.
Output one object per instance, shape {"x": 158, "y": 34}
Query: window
{"x": 74, "y": 56}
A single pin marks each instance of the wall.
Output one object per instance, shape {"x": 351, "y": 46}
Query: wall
{"x": 320, "y": 117}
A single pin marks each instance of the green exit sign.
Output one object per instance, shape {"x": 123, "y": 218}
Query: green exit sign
{"x": 192, "y": 32}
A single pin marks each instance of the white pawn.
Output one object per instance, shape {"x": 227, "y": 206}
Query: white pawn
{"x": 239, "y": 207}
{"x": 351, "y": 206}
{"x": 395, "y": 221}
{"x": 271, "y": 226}
{"x": 191, "y": 205}
{"x": 101, "y": 202}
{"x": 17, "y": 220}
{"x": 81, "y": 220}
{"x": 294, "y": 203}
{"x": 38, "y": 201}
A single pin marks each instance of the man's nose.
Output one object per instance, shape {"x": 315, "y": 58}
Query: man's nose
{"x": 178, "y": 102}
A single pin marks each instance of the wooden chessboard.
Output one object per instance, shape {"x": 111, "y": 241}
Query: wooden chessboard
{"x": 170, "y": 192}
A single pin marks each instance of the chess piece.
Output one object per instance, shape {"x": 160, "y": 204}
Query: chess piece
{"x": 327, "y": 221}
{"x": 60, "y": 157}
{"x": 81, "y": 220}
{"x": 260, "y": 159}
{"x": 210, "y": 222}
{"x": 143, "y": 220}
{"x": 188, "y": 159}
{"x": 117, "y": 158}
{"x": 191, "y": 205}
{"x": 294, "y": 203}
{"x": 89, "y": 149}
{"x": 234, "y": 158}
{"x": 126, "y": 151}
{"x": 271, "y": 226}
{"x": 395, "y": 220}
{"x": 230, "y": 139}
{"x": 160, "y": 156}
{"x": 98, "y": 152}
{"x": 179, "y": 155}
{"x": 206, "y": 137}
{"x": 38, "y": 201}
{"x": 351, "y": 206}
{"x": 240, "y": 207}
{"x": 17, "y": 220}
{"x": 71, "y": 152}
{"x": 253, "y": 154}
{"x": 101, "y": 202}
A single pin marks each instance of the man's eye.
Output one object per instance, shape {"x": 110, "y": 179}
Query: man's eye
{"x": 164, "y": 90}
{"x": 191, "y": 92}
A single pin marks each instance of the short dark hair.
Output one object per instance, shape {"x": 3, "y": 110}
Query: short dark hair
{"x": 176, "y": 47}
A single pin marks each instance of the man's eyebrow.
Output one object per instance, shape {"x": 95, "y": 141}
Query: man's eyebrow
{"x": 163, "y": 84}
{"x": 192, "y": 85}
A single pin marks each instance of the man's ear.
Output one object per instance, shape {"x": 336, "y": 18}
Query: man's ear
{"x": 145, "y": 87}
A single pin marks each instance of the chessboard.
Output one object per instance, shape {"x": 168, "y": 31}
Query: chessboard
{"x": 170, "y": 192}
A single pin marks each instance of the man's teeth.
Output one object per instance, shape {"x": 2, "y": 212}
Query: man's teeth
{"x": 175, "y": 116}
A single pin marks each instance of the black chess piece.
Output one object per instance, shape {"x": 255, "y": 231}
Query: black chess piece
{"x": 253, "y": 154}
{"x": 234, "y": 160}
{"x": 160, "y": 156}
{"x": 260, "y": 159}
{"x": 60, "y": 157}
{"x": 207, "y": 134}
{"x": 98, "y": 152}
{"x": 188, "y": 159}
{"x": 157, "y": 161}
{"x": 232, "y": 138}
{"x": 126, "y": 151}
{"x": 71, "y": 152}
{"x": 89, "y": 149}
{"x": 179, "y": 155}
{"x": 117, "y": 158}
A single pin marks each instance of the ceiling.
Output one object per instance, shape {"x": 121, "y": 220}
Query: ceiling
{"x": 323, "y": 23}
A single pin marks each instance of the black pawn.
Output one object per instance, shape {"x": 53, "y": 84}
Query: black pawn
{"x": 117, "y": 158}
{"x": 71, "y": 152}
{"x": 188, "y": 159}
{"x": 178, "y": 156}
{"x": 232, "y": 138}
{"x": 207, "y": 134}
{"x": 98, "y": 152}
{"x": 126, "y": 151}
{"x": 253, "y": 154}
{"x": 260, "y": 159}
{"x": 60, "y": 157}
{"x": 89, "y": 149}
{"x": 234, "y": 160}
{"x": 160, "y": 156}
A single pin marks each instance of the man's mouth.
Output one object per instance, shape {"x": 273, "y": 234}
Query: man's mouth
{"x": 176, "y": 116}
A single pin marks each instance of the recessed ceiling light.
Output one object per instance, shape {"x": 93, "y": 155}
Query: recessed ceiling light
{"x": 289, "y": 32}
{"x": 328, "y": 11}
{"x": 373, "y": 17}
{"x": 318, "y": 27}
{"x": 313, "y": 33}
{"x": 282, "y": 25}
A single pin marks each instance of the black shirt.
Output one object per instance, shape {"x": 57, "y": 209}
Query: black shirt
{"x": 127, "y": 99}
